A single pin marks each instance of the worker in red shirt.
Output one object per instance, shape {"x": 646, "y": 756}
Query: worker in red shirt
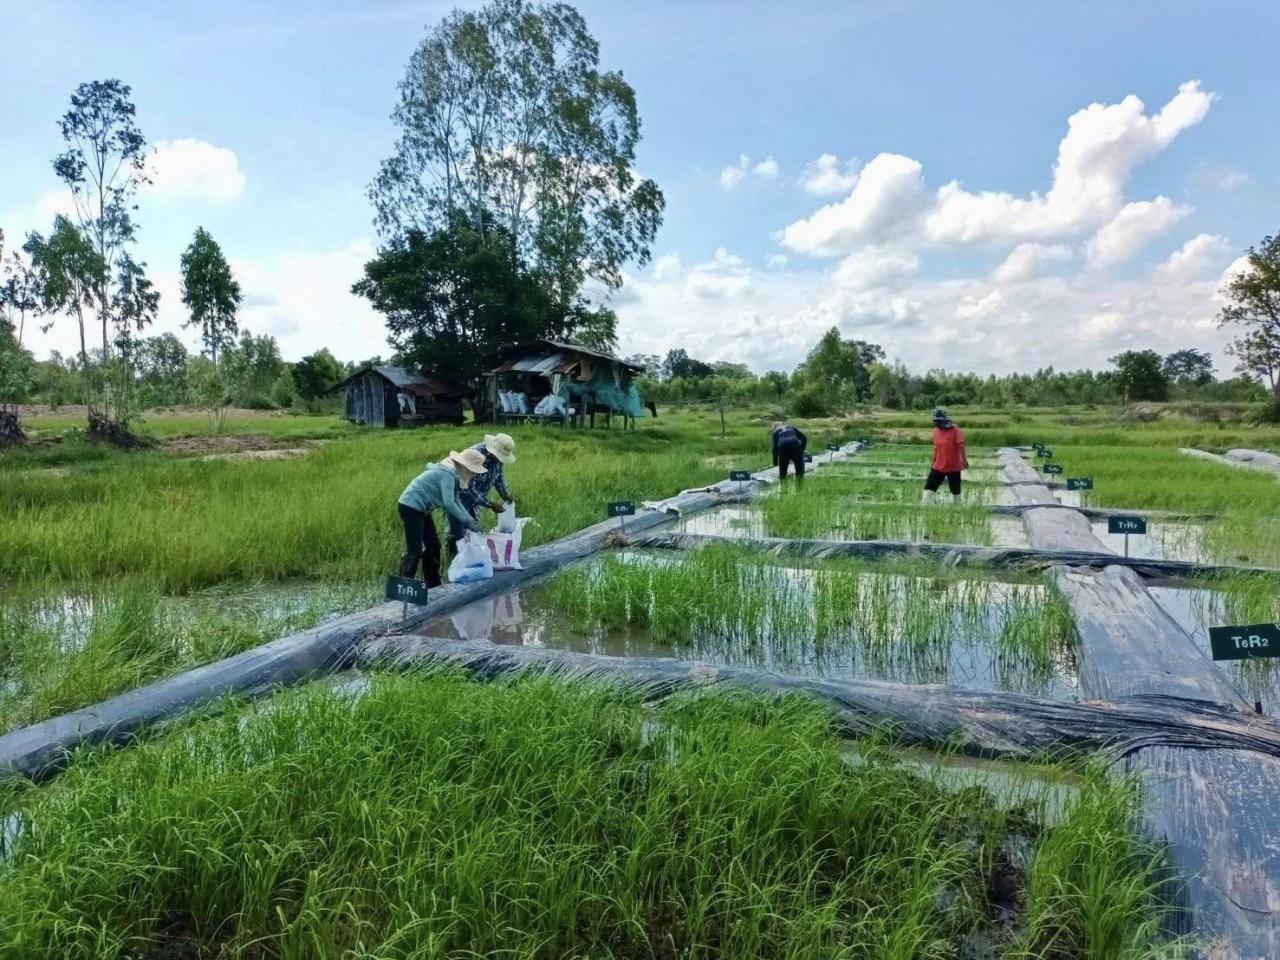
{"x": 948, "y": 457}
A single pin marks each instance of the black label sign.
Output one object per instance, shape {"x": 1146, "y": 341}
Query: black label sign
{"x": 622, "y": 508}
{"x": 1053, "y": 468}
{"x": 833, "y": 446}
{"x": 808, "y": 458}
{"x": 1126, "y": 524}
{"x": 1044, "y": 453}
{"x": 406, "y": 590}
{"x": 1079, "y": 483}
{"x": 738, "y": 476}
{"x": 1245, "y": 643}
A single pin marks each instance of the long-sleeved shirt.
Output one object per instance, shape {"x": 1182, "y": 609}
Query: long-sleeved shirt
{"x": 438, "y": 487}
{"x": 787, "y": 434}
{"x": 477, "y": 492}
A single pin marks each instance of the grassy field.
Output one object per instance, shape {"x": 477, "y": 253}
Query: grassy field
{"x": 399, "y": 822}
{"x": 433, "y": 817}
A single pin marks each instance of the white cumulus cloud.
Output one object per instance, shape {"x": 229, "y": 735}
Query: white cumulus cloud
{"x": 1103, "y": 144}
{"x": 735, "y": 173}
{"x": 1194, "y": 258}
{"x": 888, "y": 197}
{"x": 829, "y": 175}
{"x": 1028, "y": 260}
{"x": 196, "y": 168}
{"x": 1136, "y": 225}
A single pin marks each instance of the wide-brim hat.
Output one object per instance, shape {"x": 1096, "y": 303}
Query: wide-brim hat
{"x": 940, "y": 414}
{"x": 501, "y": 446}
{"x": 472, "y": 460}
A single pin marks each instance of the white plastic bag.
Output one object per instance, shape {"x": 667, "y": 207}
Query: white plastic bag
{"x": 472, "y": 562}
{"x": 504, "y": 540}
{"x": 507, "y": 520}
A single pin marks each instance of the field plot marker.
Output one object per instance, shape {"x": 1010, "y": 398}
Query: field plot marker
{"x": 622, "y": 509}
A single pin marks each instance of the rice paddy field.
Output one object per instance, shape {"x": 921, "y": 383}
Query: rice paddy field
{"x": 425, "y": 814}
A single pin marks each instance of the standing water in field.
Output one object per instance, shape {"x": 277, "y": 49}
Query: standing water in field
{"x": 833, "y": 619}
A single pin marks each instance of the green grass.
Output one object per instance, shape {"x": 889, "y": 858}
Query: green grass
{"x": 60, "y": 652}
{"x": 905, "y": 622}
{"x": 433, "y": 817}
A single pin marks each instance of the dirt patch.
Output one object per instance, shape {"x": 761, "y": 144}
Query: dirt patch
{"x": 225, "y": 443}
{"x": 279, "y": 453}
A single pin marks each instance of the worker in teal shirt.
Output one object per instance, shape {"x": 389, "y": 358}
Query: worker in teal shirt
{"x": 437, "y": 487}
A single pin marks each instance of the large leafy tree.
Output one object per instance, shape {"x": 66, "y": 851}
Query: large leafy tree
{"x": 1189, "y": 367}
{"x": 1140, "y": 375}
{"x": 69, "y": 273}
{"x": 17, "y": 298}
{"x": 162, "y": 369}
{"x": 453, "y": 298}
{"x": 838, "y": 367}
{"x": 315, "y": 374}
{"x": 210, "y": 293}
{"x": 1253, "y": 302}
{"x": 103, "y": 166}
{"x": 506, "y": 116}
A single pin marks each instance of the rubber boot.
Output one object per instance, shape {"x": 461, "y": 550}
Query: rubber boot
{"x": 409, "y": 565}
{"x": 926, "y": 496}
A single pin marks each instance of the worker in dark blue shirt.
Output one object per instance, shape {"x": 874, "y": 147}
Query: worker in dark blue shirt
{"x": 788, "y": 449}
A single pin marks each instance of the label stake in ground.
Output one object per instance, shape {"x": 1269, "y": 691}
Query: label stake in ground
{"x": 1127, "y": 525}
{"x": 1053, "y": 468}
{"x": 808, "y": 458}
{"x": 832, "y": 448}
{"x": 1079, "y": 483}
{"x": 1044, "y": 453}
{"x": 407, "y": 591}
{"x": 740, "y": 477}
{"x": 622, "y": 509}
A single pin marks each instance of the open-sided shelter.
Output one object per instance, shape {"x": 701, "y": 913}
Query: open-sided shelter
{"x": 382, "y": 396}
{"x": 567, "y": 382}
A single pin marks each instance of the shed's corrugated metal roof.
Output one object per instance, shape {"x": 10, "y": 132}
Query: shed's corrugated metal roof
{"x": 526, "y": 358}
{"x": 400, "y": 376}
{"x": 406, "y": 380}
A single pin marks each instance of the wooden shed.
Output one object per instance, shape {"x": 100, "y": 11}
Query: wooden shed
{"x": 382, "y": 396}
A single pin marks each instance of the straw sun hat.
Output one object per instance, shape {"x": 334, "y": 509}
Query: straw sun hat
{"x": 501, "y": 446}
{"x": 469, "y": 459}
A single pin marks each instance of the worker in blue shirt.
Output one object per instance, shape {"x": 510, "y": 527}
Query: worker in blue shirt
{"x": 436, "y": 488}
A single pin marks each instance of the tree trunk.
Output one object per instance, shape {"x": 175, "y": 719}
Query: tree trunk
{"x": 10, "y": 429}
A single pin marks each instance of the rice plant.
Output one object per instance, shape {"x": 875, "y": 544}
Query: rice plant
{"x": 436, "y": 817}
{"x": 836, "y": 617}
{"x": 834, "y": 508}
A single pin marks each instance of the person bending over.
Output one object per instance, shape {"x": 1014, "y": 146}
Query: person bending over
{"x": 436, "y": 488}
{"x": 788, "y": 449}
{"x": 498, "y": 450}
{"x": 948, "y": 457}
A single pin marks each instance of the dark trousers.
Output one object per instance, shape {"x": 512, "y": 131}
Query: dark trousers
{"x": 420, "y": 543}
{"x": 790, "y": 454}
{"x": 934, "y": 481}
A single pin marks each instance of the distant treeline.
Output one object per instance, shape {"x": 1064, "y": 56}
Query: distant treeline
{"x": 839, "y": 374}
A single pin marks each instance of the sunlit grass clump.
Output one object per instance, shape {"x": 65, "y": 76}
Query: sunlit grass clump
{"x": 435, "y": 817}
{"x": 60, "y": 652}
{"x": 841, "y": 507}
{"x": 837, "y": 616}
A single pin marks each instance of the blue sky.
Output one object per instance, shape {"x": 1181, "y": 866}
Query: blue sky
{"x": 271, "y": 118}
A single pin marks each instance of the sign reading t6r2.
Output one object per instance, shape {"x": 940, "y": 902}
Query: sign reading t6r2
{"x": 622, "y": 508}
{"x": 1245, "y": 643}
{"x": 1126, "y": 524}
